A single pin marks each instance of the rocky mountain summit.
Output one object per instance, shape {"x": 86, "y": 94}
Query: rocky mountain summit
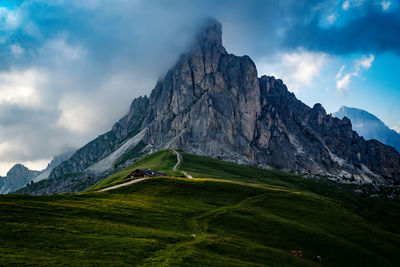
{"x": 213, "y": 103}
{"x": 17, "y": 177}
{"x": 369, "y": 126}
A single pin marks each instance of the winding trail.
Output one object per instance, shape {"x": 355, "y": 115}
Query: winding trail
{"x": 180, "y": 159}
{"x": 121, "y": 185}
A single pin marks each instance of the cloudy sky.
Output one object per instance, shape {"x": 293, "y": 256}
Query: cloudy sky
{"x": 70, "y": 68}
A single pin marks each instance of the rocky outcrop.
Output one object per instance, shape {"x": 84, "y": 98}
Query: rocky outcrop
{"x": 2, "y": 181}
{"x": 17, "y": 177}
{"x": 208, "y": 103}
{"x": 100, "y": 147}
{"x": 303, "y": 139}
{"x": 369, "y": 126}
{"x": 213, "y": 103}
{"x": 57, "y": 160}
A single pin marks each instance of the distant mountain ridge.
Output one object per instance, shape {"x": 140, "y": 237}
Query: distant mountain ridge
{"x": 19, "y": 175}
{"x": 57, "y": 160}
{"x": 214, "y": 104}
{"x": 369, "y": 126}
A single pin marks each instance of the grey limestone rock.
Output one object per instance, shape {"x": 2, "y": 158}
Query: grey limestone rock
{"x": 213, "y": 103}
{"x": 17, "y": 177}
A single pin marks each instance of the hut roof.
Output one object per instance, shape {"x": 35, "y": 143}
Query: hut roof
{"x": 145, "y": 173}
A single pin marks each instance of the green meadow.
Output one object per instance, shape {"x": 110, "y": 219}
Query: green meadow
{"x": 239, "y": 215}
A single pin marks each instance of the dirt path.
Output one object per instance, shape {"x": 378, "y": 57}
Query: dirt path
{"x": 180, "y": 159}
{"x": 121, "y": 185}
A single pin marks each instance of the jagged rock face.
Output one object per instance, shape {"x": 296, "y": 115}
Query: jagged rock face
{"x": 57, "y": 160}
{"x": 18, "y": 170}
{"x": 17, "y": 177}
{"x": 104, "y": 144}
{"x": 209, "y": 102}
{"x": 212, "y": 103}
{"x": 369, "y": 126}
{"x": 218, "y": 107}
{"x": 131, "y": 123}
{"x": 299, "y": 138}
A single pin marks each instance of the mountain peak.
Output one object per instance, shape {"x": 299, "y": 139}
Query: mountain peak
{"x": 212, "y": 103}
{"x": 210, "y": 36}
{"x": 211, "y": 31}
{"x": 368, "y": 125}
{"x": 351, "y": 112}
{"x": 17, "y": 168}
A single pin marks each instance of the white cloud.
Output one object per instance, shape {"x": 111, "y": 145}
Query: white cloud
{"x": 62, "y": 101}
{"x": 298, "y": 69}
{"x": 17, "y": 50}
{"x": 342, "y": 85}
{"x": 9, "y": 19}
{"x": 339, "y": 74}
{"x": 9, "y": 148}
{"x": 77, "y": 115}
{"x": 352, "y": 3}
{"x": 364, "y": 62}
{"x": 356, "y": 3}
{"x": 21, "y": 87}
{"x": 396, "y": 127}
{"x": 5, "y": 147}
{"x": 385, "y": 5}
{"x": 346, "y": 5}
{"x": 343, "y": 81}
{"x": 331, "y": 18}
{"x": 85, "y": 113}
{"x": 59, "y": 49}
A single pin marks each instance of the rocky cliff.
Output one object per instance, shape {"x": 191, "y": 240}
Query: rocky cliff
{"x": 57, "y": 160}
{"x": 213, "y": 103}
{"x": 18, "y": 176}
{"x": 103, "y": 145}
{"x": 2, "y": 181}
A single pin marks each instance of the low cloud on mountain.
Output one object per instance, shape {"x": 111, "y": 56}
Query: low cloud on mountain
{"x": 69, "y": 69}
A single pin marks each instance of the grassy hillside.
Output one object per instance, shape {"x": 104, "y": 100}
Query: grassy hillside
{"x": 162, "y": 161}
{"x": 241, "y": 216}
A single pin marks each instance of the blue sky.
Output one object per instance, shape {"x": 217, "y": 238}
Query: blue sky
{"x": 69, "y": 68}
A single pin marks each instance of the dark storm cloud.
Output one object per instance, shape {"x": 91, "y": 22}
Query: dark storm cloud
{"x": 374, "y": 31}
{"x": 149, "y": 33}
{"x": 152, "y": 33}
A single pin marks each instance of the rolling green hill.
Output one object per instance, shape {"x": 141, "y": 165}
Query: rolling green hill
{"x": 240, "y": 216}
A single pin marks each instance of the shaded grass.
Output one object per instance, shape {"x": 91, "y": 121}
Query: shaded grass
{"x": 150, "y": 223}
{"x": 241, "y": 216}
{"x": 199, "y": 166}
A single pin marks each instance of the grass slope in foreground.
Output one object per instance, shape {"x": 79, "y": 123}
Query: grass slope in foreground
{"x": 237, "y": 222}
